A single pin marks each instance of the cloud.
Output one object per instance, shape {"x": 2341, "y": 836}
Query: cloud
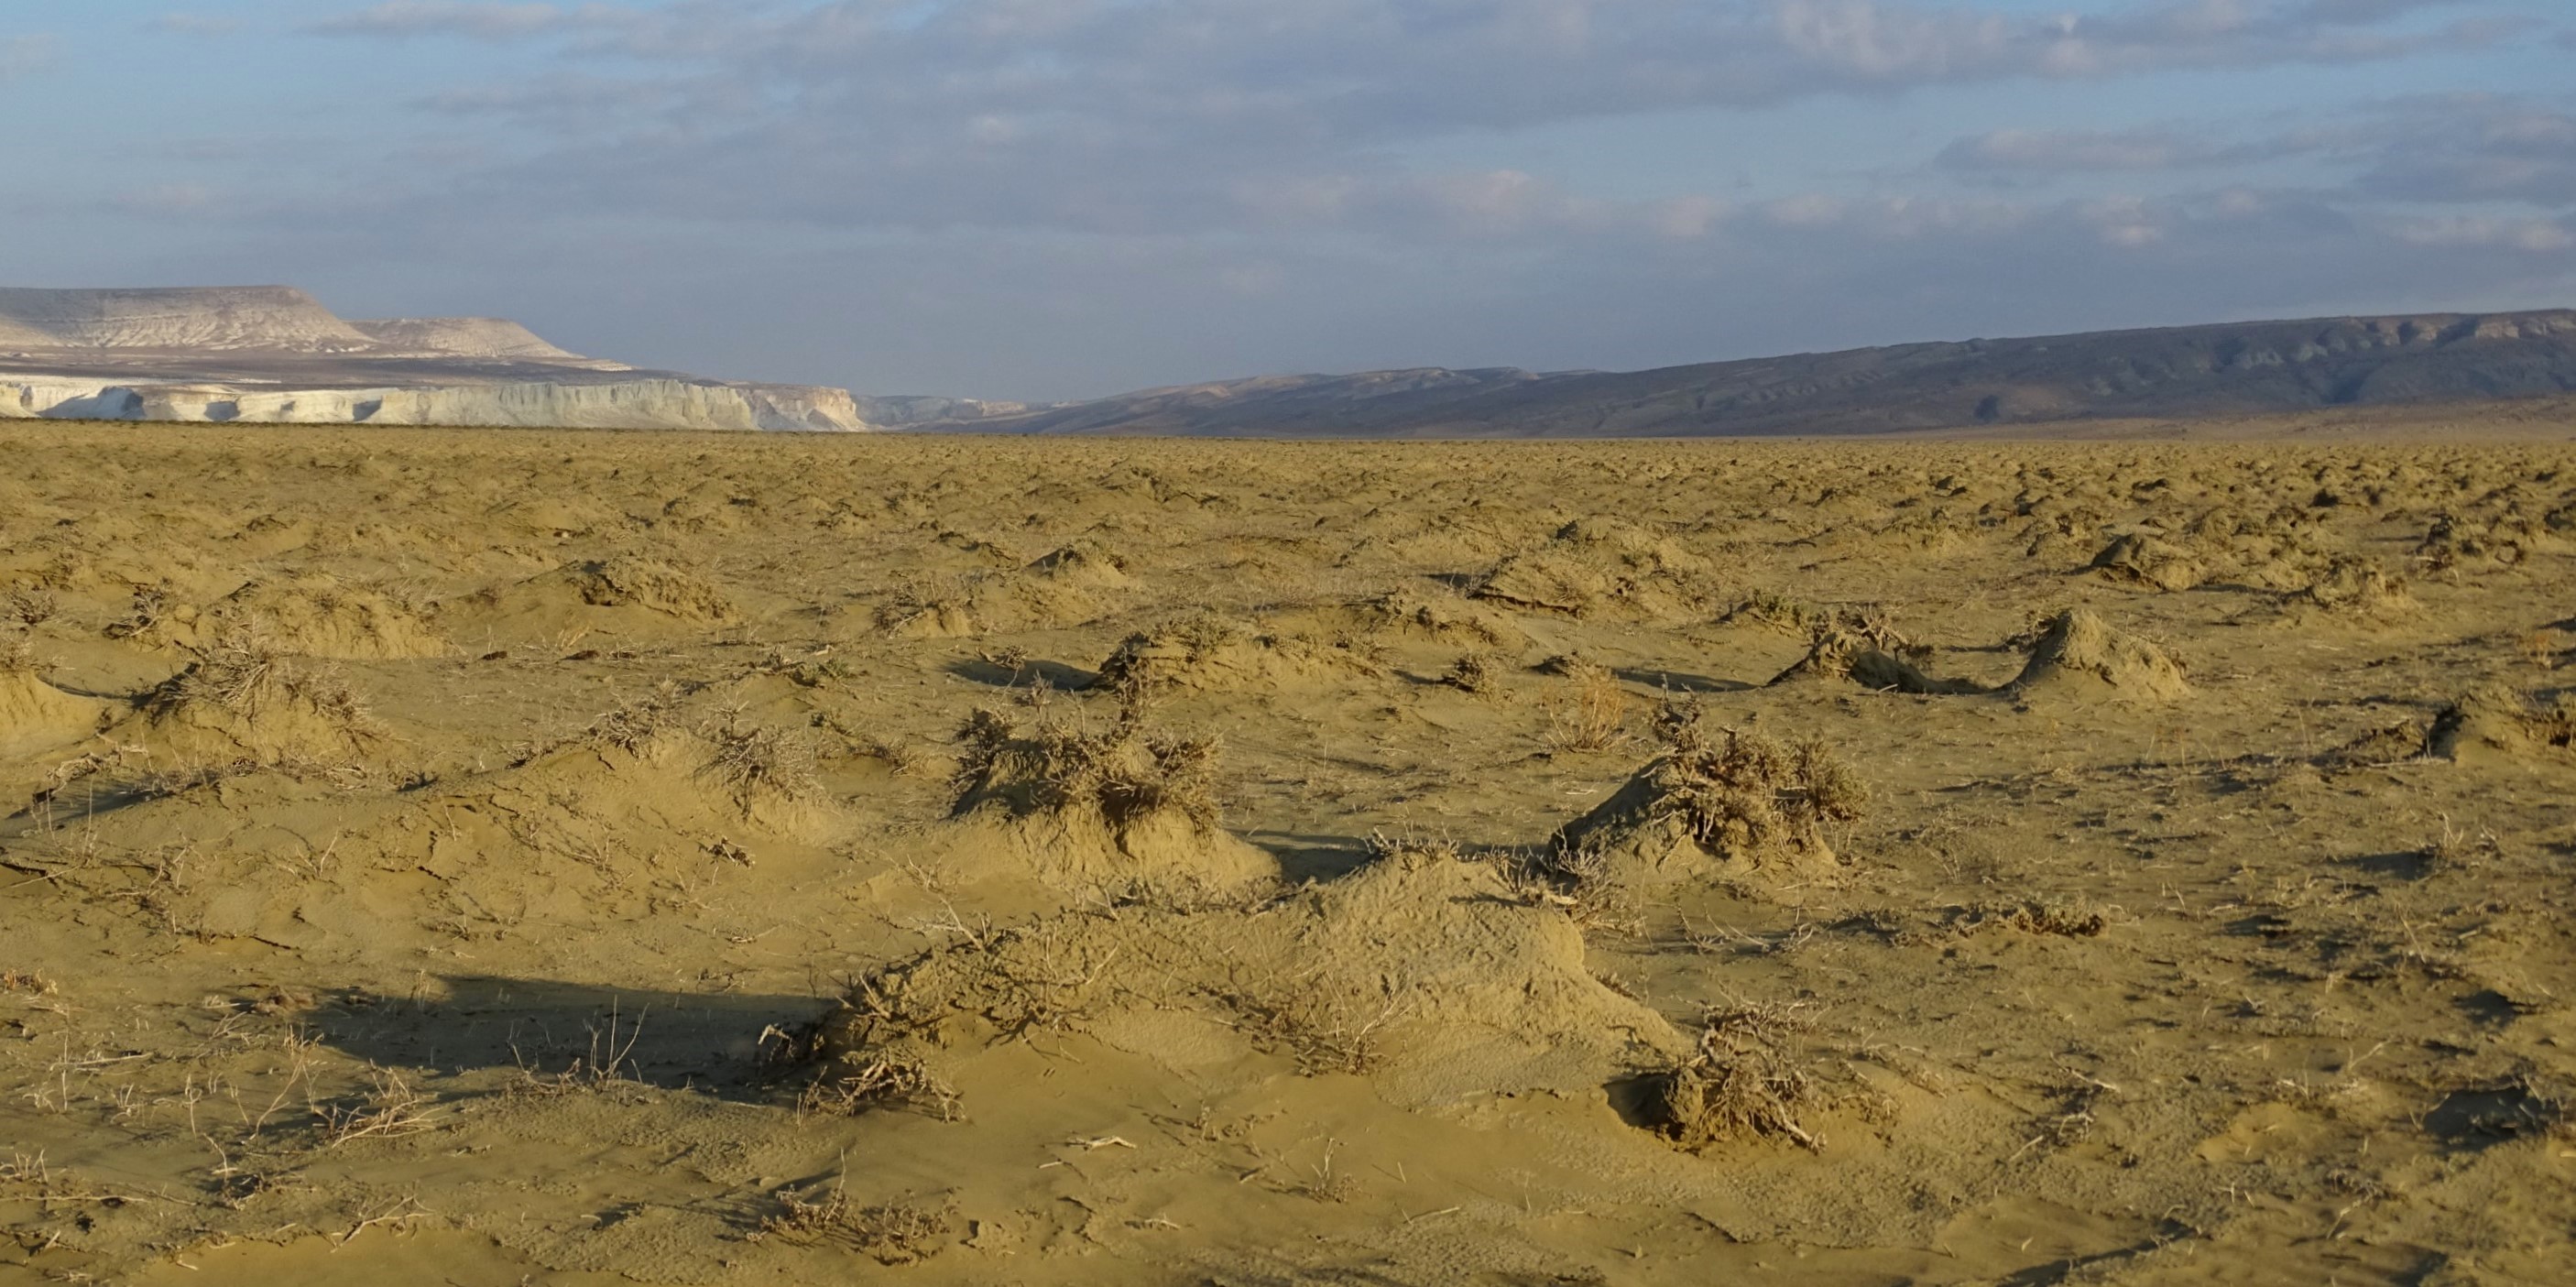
{"x": 1064, "y": 197}
{"x": 193, "y": 24}
{"x": 2113, "y": 151}
{"x": 2473, "y": 147}
{"x": 473, "y": 21}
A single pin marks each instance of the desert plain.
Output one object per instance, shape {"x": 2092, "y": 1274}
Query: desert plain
{"x": 513, "y": 856}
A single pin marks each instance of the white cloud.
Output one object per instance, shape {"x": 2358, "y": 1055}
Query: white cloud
{"x": 193, "y": 24}
{"x": 470, "y": 20}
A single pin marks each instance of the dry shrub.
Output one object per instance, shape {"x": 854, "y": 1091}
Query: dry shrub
{"x": 851, "y": 1086}
{"x": 898, "y": 1233}
{"x": 1474, "y": 672}
{"x": 31, "y": 606}
{"x": 246, "y": 676}
{"x": 2063, "y": 920}
{"x": 18, "y": 656}
{"x": 926, "y": 605}
{"x": 1740, "y": 792}
{"x": 758, "y": 762}
{"x": 1124, "y": 773}
{"x": 1722, "y": 804}
{"x": 2357, "y": 586}
{"x": 149, "y": 605}
{"x": 1740, "y": 1083}
{"x": 1594, "y": 717}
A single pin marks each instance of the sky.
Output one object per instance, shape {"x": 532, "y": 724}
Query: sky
{"x": 1060, "y": 199}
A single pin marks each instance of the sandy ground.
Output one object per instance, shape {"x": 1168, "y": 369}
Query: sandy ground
{"x": 488, "y": 857}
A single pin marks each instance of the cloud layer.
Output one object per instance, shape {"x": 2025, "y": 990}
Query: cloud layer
{"x": 1220, "y": 163}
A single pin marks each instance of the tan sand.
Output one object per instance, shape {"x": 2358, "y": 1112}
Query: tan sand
{"x": 584, "y": 858}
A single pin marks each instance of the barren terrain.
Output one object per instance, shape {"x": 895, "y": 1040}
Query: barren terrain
{"x": 437, "y": 856}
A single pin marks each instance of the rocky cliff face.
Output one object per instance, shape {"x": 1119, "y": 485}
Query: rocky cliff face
{"x": 273, "y": 355}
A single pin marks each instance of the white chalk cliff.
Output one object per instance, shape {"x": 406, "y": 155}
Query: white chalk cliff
{"x": 274, "y": 355}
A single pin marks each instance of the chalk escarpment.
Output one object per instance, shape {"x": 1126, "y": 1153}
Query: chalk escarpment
{"x": 275, "y": 355}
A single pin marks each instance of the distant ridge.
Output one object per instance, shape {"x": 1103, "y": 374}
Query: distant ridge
{"x": 2241, "y": 368}
{"x": 275, "y": 355}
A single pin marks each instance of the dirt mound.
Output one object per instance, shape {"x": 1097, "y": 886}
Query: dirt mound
{"x": 243, "y": 699}
{"x": 1872, "y": 661}
{"x": 1081, "y": 807}
{"x": 2077, "y": 655}
{"x": 2140, "y": 559}
{"x": 2355, "y": 586}
{"x": 621, "y": 598}
{"x": 1423, "y": 971}
{"x": 1600, "y": 567}
{"x": 36, "y": 716}
{"x": 2496, "y": 723}
{"x": 1209, "y": 653}
{"x": 314, "y": 616}
{"x": 1405, "y": 616}
{"x": 650, "y": 584}
{"x": 2272, "y": 550}
{"x": 2463, "y": 540}
{"x": 1717, "y": 804}
{"x": 637, "y": 814}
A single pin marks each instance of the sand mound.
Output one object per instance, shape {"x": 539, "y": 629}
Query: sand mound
{"x": 2140, "y": 559}
{"x": 600, "y": 830}
{"x": 2459, "y": 540}
{"x": 1083, "y": 564}
{"x": 1208, "y": 653}
{"x": 314, "y": 616}
{"x": 243, "y": 699}
{"x": 1718, "y": 804}
{"x": 621, "y": 598}
{"x": 1423, "y": 971}
{"x": 2354, "y": 586}
{"x": 1405, "y": 616}
{"x": 649, "y": 584}
{"x": 1599, "y": 567}
{"x": 2495, "y": 723}
{"x": 36, "y": 716}
{"x": 1079, "y": 807}
{"x": 1875, "y": 661}
{"x": 2077, "y": 655}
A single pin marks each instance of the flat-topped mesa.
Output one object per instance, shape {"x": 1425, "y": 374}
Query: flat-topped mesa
{"x": 273, "y": 355}
{"x": 475, "y": 337}
{"x": 197, "y": 317}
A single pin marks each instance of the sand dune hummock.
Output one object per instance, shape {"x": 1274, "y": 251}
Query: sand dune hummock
{"x": 1083, "y": 807}
{"x": 2079, "y": 657}
{"x": 1597, "y": 566}
{"x": 1210, "y": 653}
{"x": 1719, "y": 803}
{"x": 2496, "y": 723}
{"x": 1422, "y": 971}
{"x": 36, "y": 716}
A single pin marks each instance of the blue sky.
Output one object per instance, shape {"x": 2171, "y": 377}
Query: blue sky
{"x": 1067, "y": 198}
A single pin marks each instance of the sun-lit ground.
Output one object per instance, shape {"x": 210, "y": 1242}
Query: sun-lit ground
{"x": 440, "y": 856}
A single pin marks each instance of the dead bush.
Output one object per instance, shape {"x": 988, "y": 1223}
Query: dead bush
{"x": 1594, "y": 716}
{"x": 1740, "y": 1083}
{"x": 761, "y": 761}
{"x": 1124, "y": 772}
{"x": 245, "y": 676}
{"x": 1474, "y": 672}
{"x": 1740, "y": 792}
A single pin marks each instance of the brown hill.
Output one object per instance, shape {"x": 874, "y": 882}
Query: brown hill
{"x": 2230, "y": 369}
